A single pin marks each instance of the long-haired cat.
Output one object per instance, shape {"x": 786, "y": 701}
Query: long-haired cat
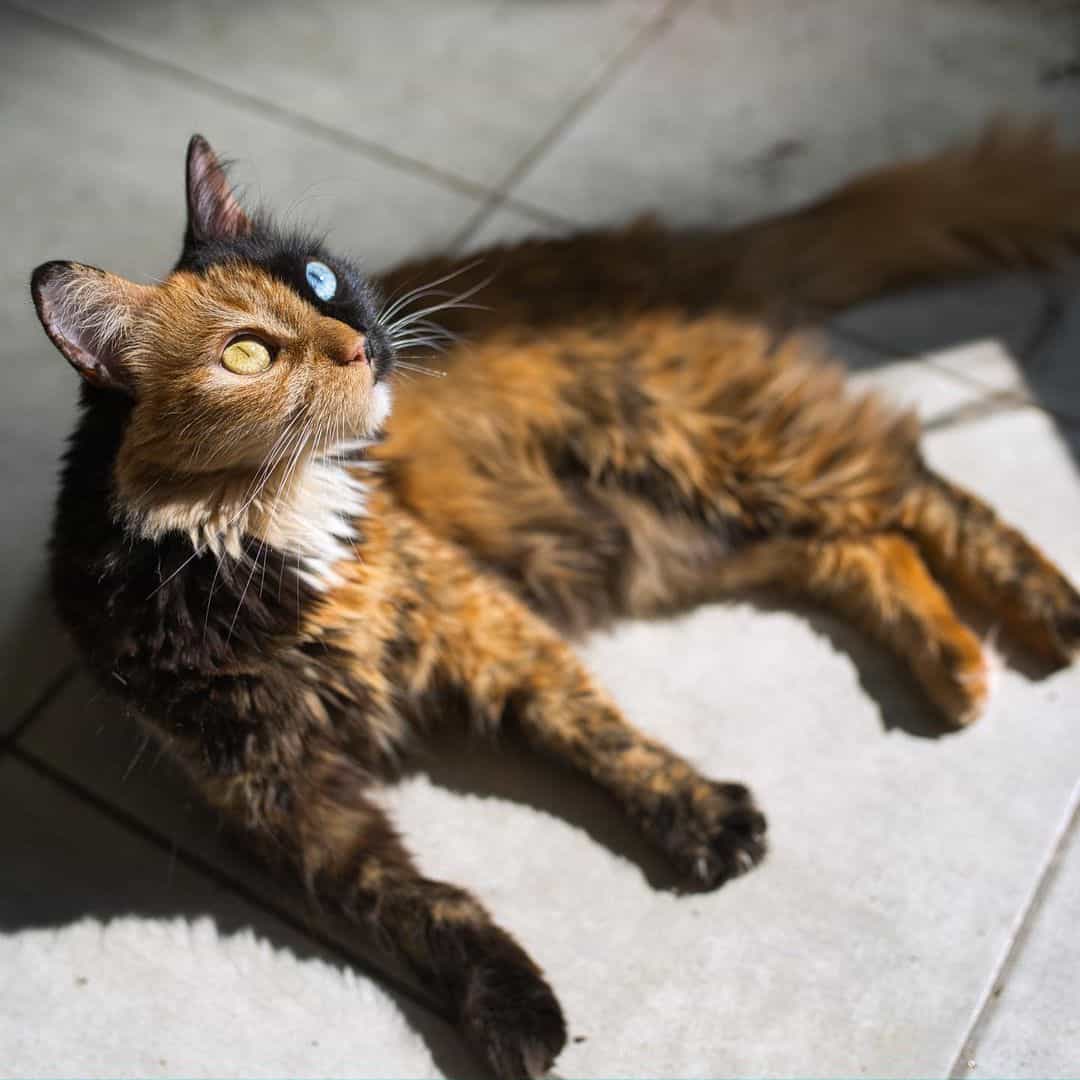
{"x": 294, "y": 587}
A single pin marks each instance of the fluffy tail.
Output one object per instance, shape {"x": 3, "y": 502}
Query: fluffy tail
{"x": 1011, "y": 199}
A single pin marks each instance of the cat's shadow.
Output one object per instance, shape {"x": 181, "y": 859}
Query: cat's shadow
{"x": 901, "y": 703}
{"x": 510, "y": 772}
{"x": 61, "y": 899}
{"x": 98, "y": 827}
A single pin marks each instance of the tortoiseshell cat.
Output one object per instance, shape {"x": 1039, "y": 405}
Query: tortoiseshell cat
{"x": 293, "y": 591}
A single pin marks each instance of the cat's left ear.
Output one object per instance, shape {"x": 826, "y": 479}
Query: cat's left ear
{"x": 88, "y": 315}
{"x": 214, "y": 212}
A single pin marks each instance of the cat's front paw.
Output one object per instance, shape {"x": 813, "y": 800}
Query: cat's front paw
{"x": 711, "y": 831}
{"x": 1066, "y": 631}
{"x": 510, "y": 1014}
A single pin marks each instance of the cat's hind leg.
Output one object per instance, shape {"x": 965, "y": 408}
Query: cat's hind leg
{"x": 881, "y": 583}
{"x": 970, "y": 547}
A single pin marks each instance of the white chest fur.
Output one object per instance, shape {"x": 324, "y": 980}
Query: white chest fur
{"x": 314, "y": 520}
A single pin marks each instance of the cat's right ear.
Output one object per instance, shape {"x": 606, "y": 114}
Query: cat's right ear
{"x": 214, "y": 212}
{"x": 88, "y": 315}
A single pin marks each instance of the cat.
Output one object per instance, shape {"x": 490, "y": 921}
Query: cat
{"x": 293, "y": 586}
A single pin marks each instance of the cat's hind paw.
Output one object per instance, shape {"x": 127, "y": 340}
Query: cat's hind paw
{"x": 957, "y": 676}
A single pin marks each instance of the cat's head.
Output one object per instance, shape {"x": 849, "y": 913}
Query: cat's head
{"x": 259, "y": 342}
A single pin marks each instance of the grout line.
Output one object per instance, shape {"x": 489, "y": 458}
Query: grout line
{"x": 1018, "y": 937}
{"x": 1051, "y": 307}
{"x": 990, "y": 401}
{"x": 270, "y": 110}
{"x": 204, "y": 867}
{"x": 1019, "y": 392}
{"x": 622, "y": 59}
{"x": 993, "y": 403}
{"x": 38, "y": 706}
{"x": 1020, "y": 397}
{"x": 864, "y": 341}
{"x": 1053, "y": 311}
{"x": 1053, "y": 301}
{"x": 538, "y": 214}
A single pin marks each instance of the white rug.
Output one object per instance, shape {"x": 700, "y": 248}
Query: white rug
{"x": 157, "y": 997}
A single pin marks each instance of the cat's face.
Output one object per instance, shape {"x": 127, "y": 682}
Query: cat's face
{"x": 258, "y": 341}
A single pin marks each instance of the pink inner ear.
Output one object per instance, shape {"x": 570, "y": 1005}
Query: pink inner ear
{"x": 86, "y": 312}
{"x": 213, "y": 210}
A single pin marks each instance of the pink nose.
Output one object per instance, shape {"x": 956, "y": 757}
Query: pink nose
{"x": 355, "y": 352}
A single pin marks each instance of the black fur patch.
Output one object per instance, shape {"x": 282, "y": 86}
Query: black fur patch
{"x": 283, "y": 255}
{"x": 180, "y": 634}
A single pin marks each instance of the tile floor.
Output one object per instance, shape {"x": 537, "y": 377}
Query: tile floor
{"x": 917, "y": 915}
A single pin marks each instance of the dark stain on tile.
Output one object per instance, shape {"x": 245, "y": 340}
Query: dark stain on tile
{"x": 1068, "y": 71}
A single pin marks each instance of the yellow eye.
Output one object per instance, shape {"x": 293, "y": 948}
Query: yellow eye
{"x": 246, "y": 357}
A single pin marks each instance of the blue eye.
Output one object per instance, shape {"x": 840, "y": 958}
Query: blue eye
{"x": 321, "y": 279}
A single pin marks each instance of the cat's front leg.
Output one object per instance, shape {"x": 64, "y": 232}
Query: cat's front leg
{"x": 710, "y": 830}
{"x": 322, "y": 815}
{"x": 522, "y": 676}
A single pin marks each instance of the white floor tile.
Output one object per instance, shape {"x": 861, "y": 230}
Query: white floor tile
{"x": 116, "y": 961}
{"x": 1032, "y": 1027}
{"x": 466, "y": 87}
{"x": 747, "y": 106}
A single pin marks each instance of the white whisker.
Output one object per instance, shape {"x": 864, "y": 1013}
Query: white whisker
{"x": 420, "y": 370}
{"x": 392, "y": 305}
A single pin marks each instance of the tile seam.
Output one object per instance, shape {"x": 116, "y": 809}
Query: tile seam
{"x": 634, "y": 47}
{"x": 165, "y": 69}
{"x": 207, "y": 869}
{"x": 1018, "y": 936}
{"x": 55, "y": 685}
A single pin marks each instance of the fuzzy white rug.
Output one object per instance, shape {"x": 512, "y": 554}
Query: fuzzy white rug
{"x": 156, "y": 997}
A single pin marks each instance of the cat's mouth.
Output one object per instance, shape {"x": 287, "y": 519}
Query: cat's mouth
{"x": 381, "y": 366}
{"x": 379, "y": 354}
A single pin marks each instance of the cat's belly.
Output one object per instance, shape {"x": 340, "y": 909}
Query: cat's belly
{"x": 606, "y": 469}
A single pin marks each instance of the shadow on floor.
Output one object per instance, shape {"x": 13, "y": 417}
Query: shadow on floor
{"x": 931, "y": 319}
{"x": 64, "y": 864}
